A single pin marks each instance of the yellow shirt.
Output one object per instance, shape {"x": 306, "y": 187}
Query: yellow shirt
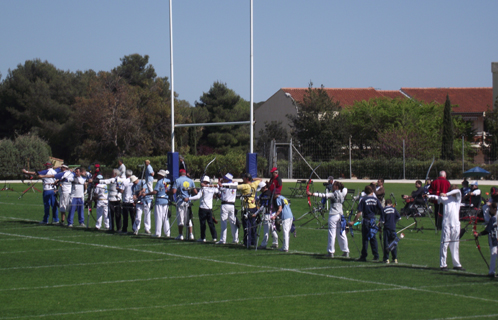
{"x": 249, "y": 189}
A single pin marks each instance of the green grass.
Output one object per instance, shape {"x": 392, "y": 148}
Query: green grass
{"x": 60, "y": 273}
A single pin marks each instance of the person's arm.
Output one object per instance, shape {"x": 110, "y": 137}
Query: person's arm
{"x": 196, "y": 197}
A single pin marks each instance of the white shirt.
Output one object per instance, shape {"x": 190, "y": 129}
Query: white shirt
{"x": 451, "y": 202}
{"x": 65, "y": 185}
{"x": 114, "y": 184}
{"x": 100, "y": 192}
{"x": 128, "y": 191}
{"x": 206, "y": 195}
{"x": 48, "y": 183}
{"x": 78, "y": 184}
{"x": 122, "y": 171}
{"x": 228, "y": 194}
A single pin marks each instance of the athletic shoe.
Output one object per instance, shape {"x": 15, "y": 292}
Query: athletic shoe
{"x": 201, "y": 240}
{"x": 362, "y": 259}
{"x": 262, "y": 248}
{"x": 386, "y": 261}
{"x": 191, "y": 236}
{"x": 69, "y": 225}
{"x": 330, "y": 255}
{"x": 43, "y": 222}
{"x": 345, "y": 255}
{"x": 375, "y": 260}
{"x": 492, "y": 275}
{"x": 274, "y": 246}
{"x": 155, "y": 236}
{"x": 214, "y": 240}
{"x": 459, "y": 268}
{"x": 135, "y": 232}
{"x": 82, "y": 225}
{"x": 395, "y": 260}
{"x": 180, "y": 237}
{"x": 220, "y": 242}
{"x": 283, "y": 250}
{"x": 147, "y": 231}
{"x": 444, "y": 268}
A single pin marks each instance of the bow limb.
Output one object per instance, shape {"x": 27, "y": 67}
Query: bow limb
{"x": 476, "y": 238}
{"x": 309, "y": 183}
{"x": 205, "y": 169}
{"x": 428, "y": 171}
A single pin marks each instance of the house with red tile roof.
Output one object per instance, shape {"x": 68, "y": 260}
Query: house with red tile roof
{"x": 470, "y": 103}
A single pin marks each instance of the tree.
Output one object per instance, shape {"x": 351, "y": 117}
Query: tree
{"x": 135, "y": 71}
{"x": 448, "y": 133}
{"x": 224, "y": 105}
{"x": 318, "y": 122}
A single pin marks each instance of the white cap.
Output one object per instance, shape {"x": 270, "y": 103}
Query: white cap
{"x": 100, "y": 177}
{"x": 163, "y": 173}
{"x": 261, "y": 185}
{"x": 228, "y": 176}
{"x": 206, "y": 179}
{"x": 133, "y": 178}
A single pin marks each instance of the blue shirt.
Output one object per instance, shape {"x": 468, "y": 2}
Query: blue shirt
{"x": 136, "y": 189}
{"x": 44, "y": 172}
{"x": 390, "y": 216}
{"x": 182, "y": 184}
{"x": 148, "y": 173}
{"x": 286, "y": 210}
{"x": 492, "y": 230}
{"x": 162, "y": 186}
{"x": 368, "y": 206}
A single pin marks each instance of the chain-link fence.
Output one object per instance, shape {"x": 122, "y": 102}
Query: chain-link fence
{"x": 354, "y": 159}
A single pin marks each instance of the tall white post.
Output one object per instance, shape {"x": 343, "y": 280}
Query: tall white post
{"x": 171, "y": 76}
{"x": 252, "y": 86}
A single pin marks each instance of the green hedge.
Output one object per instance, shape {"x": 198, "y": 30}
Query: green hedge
{"x": 234, "y": 163}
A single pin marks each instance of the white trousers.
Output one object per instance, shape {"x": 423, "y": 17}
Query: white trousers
{"x": 268, "y": 226}
{"x": 450, "y": 233}
{"x": 228, "y": 214}
{"x": 161, "y": 215}
{"x": 182, "y": 214}
{"x": 145, "y": 209}
{"x": 64, "y": 202}
{"x": 102, "y": 209}
{"x": 335, "y": 231}
{"x": 286, "y": 227}
{"x": 494, "y": 253}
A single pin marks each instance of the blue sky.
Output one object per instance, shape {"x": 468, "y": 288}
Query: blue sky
{"x": 342, "y": 44}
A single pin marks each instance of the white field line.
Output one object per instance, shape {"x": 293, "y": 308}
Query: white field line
{"x": 17, "y": 218}
{"x": 189, "y": 304}
{"x": 84, "y": 264}
{"x": 470, "y": 317}
{"x": 255, "y": 266}
{"x": 138, "y": 280}
{"x": 40, "y": 250}
{"x": 22, "y": 204}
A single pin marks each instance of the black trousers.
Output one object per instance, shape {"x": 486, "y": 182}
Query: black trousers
{"x": 365, "y": 231}
{"x": 389, "y": 236}
{"x": 128, "y": 209}
{"x": 207, "y": 215}
{"x": 438, "y": 215}
{"x": 250, "y": 226}
{"x": 115, "y": 215}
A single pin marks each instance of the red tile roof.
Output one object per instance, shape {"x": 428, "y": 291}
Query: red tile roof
{"x": 393, "y": 94}
{"x": 346, "y": 97}
{"x": 469, "y": 100}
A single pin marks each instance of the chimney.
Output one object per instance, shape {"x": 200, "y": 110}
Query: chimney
{"x": 494, "y": 69}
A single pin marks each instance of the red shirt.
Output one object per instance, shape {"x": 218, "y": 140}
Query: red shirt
{"x": 275, "y": 184}
{"x": 440, "y": 185}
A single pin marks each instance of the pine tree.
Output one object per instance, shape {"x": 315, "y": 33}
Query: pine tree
{"x": 448, "y": 133}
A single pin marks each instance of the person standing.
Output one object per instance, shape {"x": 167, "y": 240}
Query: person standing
{"x": 122, "y": 169}
{"x": 114, "y": 199}
{"x": 126, "y": 188}
{"x": 380, "y": 192}
{"x": 149, "y": 175}
{"x": 142, "y": 202}
{"x": 275, "y": 183}
{"x": 492, "y": 231}
{"x": 183, "y": 165}
{"x": 388, "y": 218}
{"x": 161, "y": 210}
{"x": 49, "y": 199}
{"x": 227, "y": 209}
{"x": 182, "y": 188}
{"x": 269, "y": 209}
{"x": 205, "y": 195}
{"x": 64, "y": 190}
{"x": 100, "y": 194}
{"x": 450, "y": 232}
{"x": 248, "y": 191}
{"x": 285, "y": 213}
{"x": 438, "y": 186}
{"x": 367, "y": 207}
{"x": 335, "y": 218}
{"x": 77, "y": 196}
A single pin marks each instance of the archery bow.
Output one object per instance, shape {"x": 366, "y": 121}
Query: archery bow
{"x": 205, "y": 169}
{"x": 428, "y": 171}
{"x": 476, "y": 238}
{"x": 309, "y": 183}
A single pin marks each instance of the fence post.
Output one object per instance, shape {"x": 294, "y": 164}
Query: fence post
{"x": 463, "y": 154}
{"x": 350, "y": 171}
{"x": 404, "y": 164}
{"x": 290, "y": 160}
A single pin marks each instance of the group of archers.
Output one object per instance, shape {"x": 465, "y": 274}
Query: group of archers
{"x": 125, "y": 196}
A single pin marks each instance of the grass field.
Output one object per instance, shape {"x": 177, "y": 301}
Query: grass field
{"x": 60, "y": 273}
